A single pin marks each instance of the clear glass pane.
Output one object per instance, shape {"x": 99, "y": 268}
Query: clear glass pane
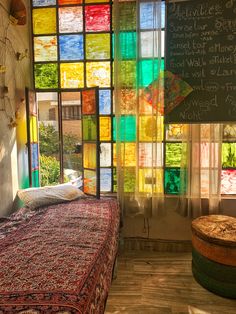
{"x": 72, "y": 136}
{"x": 150, "y": 155}
{"x": 150, "y": 44}
{"x": 105, "y": 155}
{"x": 48, "y": 138}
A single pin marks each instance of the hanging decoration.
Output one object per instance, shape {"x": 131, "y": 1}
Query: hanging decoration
{"x": 18, "y": 12}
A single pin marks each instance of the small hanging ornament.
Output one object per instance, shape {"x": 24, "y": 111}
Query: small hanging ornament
{"x": 18, "y": 12}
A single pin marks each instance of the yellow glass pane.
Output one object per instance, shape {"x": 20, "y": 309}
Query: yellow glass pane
{"x": 44, "y": 21}
{"x": 97, "y": 46}
{"x": 150, "y": 180}
{"x": 128, "y": 154}
{"x": 33, "y": 129}
{"x": 105, "y": 128}
{"x": 89, "y": 155}
{"x": 150, "y": 128}
{"x": 98, "y": 74}
{"x": 72, "y": 75}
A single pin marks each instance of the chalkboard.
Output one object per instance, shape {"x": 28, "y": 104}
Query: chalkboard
{"x": 201, "y": 51}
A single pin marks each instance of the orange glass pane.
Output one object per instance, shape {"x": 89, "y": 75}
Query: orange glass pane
{"x": 72, "y": 75}
{"x": 105, "y": 128}
{"x": 44, "y": 21}
{"x": 88, "y": 102}
{"x": 63, "y": 2}
{"x": 45, "y": 48}
{"x": 90, "y": 182}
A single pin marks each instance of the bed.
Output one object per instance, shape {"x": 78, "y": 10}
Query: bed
{"x": 58, "y": 258}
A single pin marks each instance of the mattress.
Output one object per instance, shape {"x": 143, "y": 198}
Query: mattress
{"x": 59, "y": 259}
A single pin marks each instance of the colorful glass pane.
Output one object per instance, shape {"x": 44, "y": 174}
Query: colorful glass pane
{"x": 98, "y": 74}
{"x": 150, "y": 154}
{"x": 149, "y": 71}
{"x": 205, "y": 156}
{"x": 229, "y": 155}
{"x": 70, "y": 20}
{"x": 152, "y": 15}
{"x": 150, "y": 128}
{"x": 174, "y": 132}
{"x": 43, "y": 3}
{"x": 90, "y": 182}
{"x": 128, "y": 74}
{"x": 127, "y": 45}
{"x": 34, "y": 156}
{"x": 46, "y": 75}
{"x": 127, "y": 127}
{"x": 45, "y": 48}
{"x": 65, "y": 2}
{"x": 89, "y": 155}
{"x": 150, "y": 42}
{"x": 104, "y": 101}
{"x": 128, "y": 101}
{"x": 105, "y": 180}
{"x": 173, "y": 154}
{"x": 150, "y": 180}
{"x": 127, "y": 154}
{"x": 71, "y": 47}
{"x": 95, "y": 1}
{"x": 172, "y": 181}
{"x": 72, "y": 75}
{"x": 89, "y": 128}
{"x": 105, "y": 128}
{"x": 105, "y": 155}
{"x": 33, "y": 129}
{"x": 44, "y": 21}
{"x": 98, "y": 46}
{"x": 228, "y": 182}
{"x": 127, "y": 16}
{"x": 97, "y": 18}
{"x": 89, "y": 102}
{"x": 229, "y": 132}
{"x": 35, "y": 178}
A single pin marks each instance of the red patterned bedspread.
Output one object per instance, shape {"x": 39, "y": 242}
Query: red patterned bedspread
{"x": 58, "y": 259}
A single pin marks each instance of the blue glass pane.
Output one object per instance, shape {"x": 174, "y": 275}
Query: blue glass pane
{"x": 71, "y": 47}
{"x": 105, "y": 101}
{"x": 43, "y": 3}
{"x": 150, "y": 15}
{"x": 34, "y": 156}
{"x": 105, "y": 180}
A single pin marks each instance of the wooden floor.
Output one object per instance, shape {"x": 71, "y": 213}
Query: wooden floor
{"x": 161, "y": 283}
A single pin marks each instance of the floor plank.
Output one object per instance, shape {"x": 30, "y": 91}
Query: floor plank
{"x": 161, "y": 283}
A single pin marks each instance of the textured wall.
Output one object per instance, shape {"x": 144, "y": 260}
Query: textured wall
{"x": 13, "y": 39}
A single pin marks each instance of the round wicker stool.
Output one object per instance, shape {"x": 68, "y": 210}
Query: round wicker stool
{"x": 214, "y": 253}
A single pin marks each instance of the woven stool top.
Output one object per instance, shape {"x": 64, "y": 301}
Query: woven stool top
{"x": 216, "y": 229}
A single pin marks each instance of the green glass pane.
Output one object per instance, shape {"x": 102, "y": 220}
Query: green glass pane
{"x": 127, "y": 128}
{"x": 127, "y": 45}
{"x": 35, "y": 179}
{"x": 172, "y": 181}
{"x": 173, "y": 154}
{"x": 127, "y": 16}
{"x": 149, "y": 71}
{"x": 128, "y": 74}
{"x": 114, "y": 180}
{"x": 98, "y": 46}
{"x": 229, "y": 155}
{"x": 46, "y": 75}
{"x": 129, "y": 179}
{"x": 89, "y": 128}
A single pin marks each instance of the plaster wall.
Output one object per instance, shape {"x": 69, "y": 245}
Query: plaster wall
{"x": 13, "y": 80}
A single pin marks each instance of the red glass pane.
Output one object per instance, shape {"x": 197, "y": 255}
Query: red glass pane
{"x": 97, "y": 18}
{"x": 88, "y": 102}
{"x": 64, "y": 2}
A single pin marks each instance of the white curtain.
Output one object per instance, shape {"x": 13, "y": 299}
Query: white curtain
{"x": 201, "y": 170}
{"x": 138, "y": 82}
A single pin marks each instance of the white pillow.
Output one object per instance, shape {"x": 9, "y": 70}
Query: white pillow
{"x": 48, "y": 195}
